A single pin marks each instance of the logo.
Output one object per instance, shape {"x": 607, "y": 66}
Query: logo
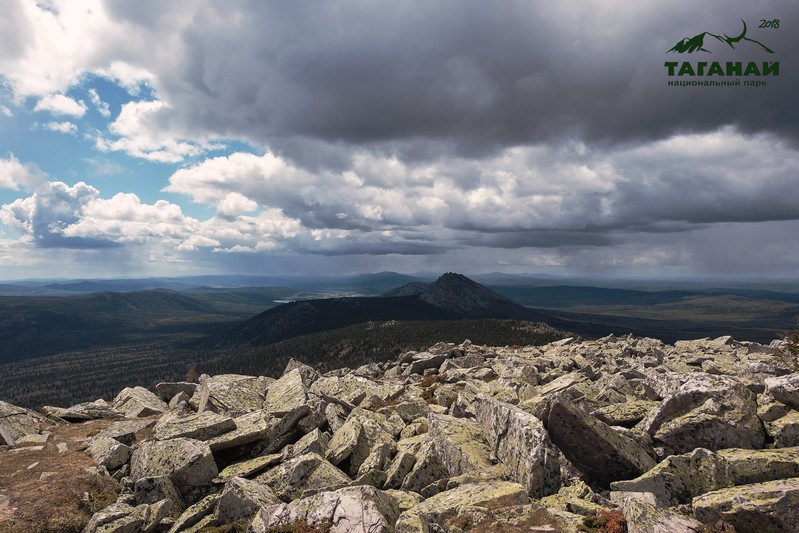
{"x": 723, "y": 73}
{"x": 697, "y": 42}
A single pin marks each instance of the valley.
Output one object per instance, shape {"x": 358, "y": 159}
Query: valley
{"x": 67, "y": 342}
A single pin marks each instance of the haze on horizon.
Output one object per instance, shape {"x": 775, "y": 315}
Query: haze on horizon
{"x": 151, "y": 139}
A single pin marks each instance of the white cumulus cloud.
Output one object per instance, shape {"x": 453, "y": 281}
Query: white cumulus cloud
{"x": 58, "y": 104}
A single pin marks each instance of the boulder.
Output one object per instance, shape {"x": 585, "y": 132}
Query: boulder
{"x": 16, "y": 422}
{"x": 600, "y": 452}
{"x": 437, "y": 509}
{"x": 519, "y": 440}
{"x": 200, "y": 426}
{"x": 136, "y": 402}
{"x": 360, "y": 509}
{"x": 763, "y": 507}
{"x": 230, "y": 394}
{"x": 123, "y": 518}
{"x": 109, "y": 453}
{"x": 785, "y": 430}
{"x": 303, "y": 475}
{"x": 249, "y": 428}
{"x": 241, "y": 498}
{"x": 249, "y": 467}
{"x": 459, "y": 444}
{"x": 706, "y": 411}
{"x": 83, "y": 411}
{"x": 169, "y": 389}
{"x": 188, "y": 462}
{"x": 286, "y": 394}
{"x": 156, "y": 489}
{"x": 124, "y": 431}
{"x": 643, "y": 517}
{"x": 784, "y": 389}
{"x": 194, "y": 514}
{"x": 308, "y": 373}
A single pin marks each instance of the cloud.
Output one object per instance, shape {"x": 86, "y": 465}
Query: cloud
{"x": 4, "y": 110}
{"x": 138, "y": 132}
{"x": 101, "y": 106}
{"x": 59, "y": 104}
{"x": 15, "y": 175}
{"x": 62, "y": 127}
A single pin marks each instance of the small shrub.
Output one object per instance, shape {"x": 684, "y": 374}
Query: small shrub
{"x": 605, "y": 522}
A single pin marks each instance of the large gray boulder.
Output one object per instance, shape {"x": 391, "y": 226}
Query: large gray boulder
{"x": 460, "y": 445}
{"x": 188, "y": 462}
{"x": 109, "y": 453}
{"x": 706, "y": 411}
{"x": 784, "y": 389}
{"x": 135, "y": 402}
{"x": 303, "y": 475}
{"x": 361, "y": 509}
{"x": 763, "y": 507}
{"x": 597, "y": 450}
{"x": 83, "y": 411}
{"x": 241, "y": 498}
{"x": 286, "y": 394}
{"x": 230, "y": 394}
{"x": 16, "y": 422}
{"x": 519, "y": 440}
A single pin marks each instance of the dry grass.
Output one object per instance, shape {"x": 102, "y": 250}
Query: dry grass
{"x": 51, "y": 492}
{"x": 605, "y": 522}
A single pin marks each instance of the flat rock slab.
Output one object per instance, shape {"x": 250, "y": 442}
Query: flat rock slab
{"x": 438, "y": 508}
{"x": 784, "y": 389}
{"x": 125, "y": 430}
{"x": 200, "y": 426}
{"x": 763, "y": 507}
{"x": 97, "y": 409}
{"x": 596, "y": 449}
{"x": 241, "y": 498}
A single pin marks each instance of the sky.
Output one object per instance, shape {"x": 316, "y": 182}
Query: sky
{"x": 155, "y": 138}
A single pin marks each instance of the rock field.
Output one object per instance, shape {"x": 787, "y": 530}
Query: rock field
{"x": 632, "y": 433}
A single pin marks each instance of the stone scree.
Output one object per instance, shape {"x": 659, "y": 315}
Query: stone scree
{"x": 458, "y": 438}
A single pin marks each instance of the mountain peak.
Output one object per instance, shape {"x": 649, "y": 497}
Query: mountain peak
{"x": 455, "y": 292}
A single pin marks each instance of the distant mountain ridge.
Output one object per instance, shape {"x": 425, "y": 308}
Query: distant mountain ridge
{"x": 451, "y": 297}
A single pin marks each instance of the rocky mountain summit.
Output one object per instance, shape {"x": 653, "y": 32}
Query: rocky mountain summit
{"x": 615, "y": 434}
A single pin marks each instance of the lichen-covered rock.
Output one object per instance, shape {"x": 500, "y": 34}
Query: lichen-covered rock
{"x": 286, "y": 394}
{"x": 137, "y": 402}
{"x": 356, "y": 440}
{"x": 440, "y": 507}
{"x": 200, "y": 426}
{"x": 460, "y": 445}
{"x": 785, "y": 430}
{"x": 706, "y": 411}
{"x": 349, "y": 510}
{"x": 83, "y": 411}
{"x": 426, "y": 470}
{"x": 241, "y": 498}
{"x": 109, "y": 453}
{"x": 784, "y": 389}
{"x": 312, "y": 442}
{"x": 187, "y": 462}
{"x": 230, "y": 394}
{"x": 16, "y": 422}
{"x": 124, "y": 431}
{"x": 763, "y": 507}
{"x": 519, "y": 440}
{"x": 679, "y": 478}
{"x": 249, "y": 427}
{"x": 169, "y": 389}
{"x": 643, "y": 517}
{"x": 303, "y": 475}
{"x": 123, "y": 518}
{"x": 408, "y": 411}
{"x": 625, "y": 414}
{"x": 156, "y": 489}
{"x": 194, "y": 514}
{"x": 592, "y": 446}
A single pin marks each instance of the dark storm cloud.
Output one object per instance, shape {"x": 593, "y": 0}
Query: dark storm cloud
{"x": 478, "y": 75}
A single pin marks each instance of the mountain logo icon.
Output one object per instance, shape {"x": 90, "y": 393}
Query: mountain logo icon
{"x": 689, "y": 45}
